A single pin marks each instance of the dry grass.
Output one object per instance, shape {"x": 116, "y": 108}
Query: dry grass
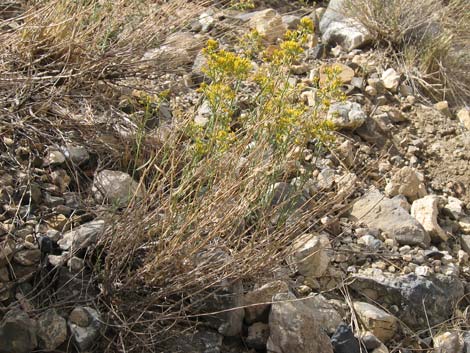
{"x": 429, "y": 38}
{"x": 64, "y": 69}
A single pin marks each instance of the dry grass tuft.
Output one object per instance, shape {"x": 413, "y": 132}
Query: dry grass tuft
{"x": 429, "y": 38}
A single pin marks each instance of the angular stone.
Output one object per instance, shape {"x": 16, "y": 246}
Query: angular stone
{"x": 116, "y": 188}
{"x": 82, "y": 236}
{"x": 379, "y": 212}
{"x": 84, "y": 337}
{"x": 28, "y": 257}
{"x": 344, "y": 341}
{"x": 464, "y": 117}
{"x": 52, "y": 330}
{"x": 345, "y": 73}
{"x": 391, "y": 79}
{"x": 406, "y": 182}
{"x": 455, "y": 207}
{"x": 17, "y": 333}
{"x": 263, "y": 294}
{"x": 269, "y": 24}
{"x": 448, "y": 342}
{"x": 376, "y": 320}
{"x": 294, "y": 329}
{"x": 337, "y": 28}
{"x": 425, "y": 211}
{"x": 346, "y": 115}
{"x": 326, "y": 315}
{"x": 310, "y": 255}
{"x": 77, "y": 154}
{"x": 419, "y": 298}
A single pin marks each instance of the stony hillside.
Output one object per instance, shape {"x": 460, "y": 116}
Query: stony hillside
{"x": 234, "y": 176}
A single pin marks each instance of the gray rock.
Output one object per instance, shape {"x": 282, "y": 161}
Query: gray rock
{"x": 82, "y": 236}
{"x": 7, "y": 248}
{"x": 326, "y": 315}
{"x": 264, "y": 294}
{"x": 448, "y": 342}
{"x": 52, "y": 330}
{"x": 310, "y": 255}
{"x": 84, "y": 337}
{"x": 418, "y": 297}
{"x": 27, "y": 257}
{"x": 337, "y": 28}
{"x": 54, "y": 157}
{"x": 223, "y": 298}
{"x": 17, "y": 333}
{"x": 346, "y": 115}
{"x": 258, "y": 335}
{"x": 294, "y": 328}
{"x": 76, "y": 154}
{"x": 115, "y": 187}
{"x": 379, "y": 212}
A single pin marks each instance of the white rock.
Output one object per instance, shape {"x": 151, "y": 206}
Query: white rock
{"x": 82, "y": 236}
{"x": 464, "y": 117}
{"x": 456, "y": 207}
{"x": 346, "y": 115}
{"x": 337, "y": 28}
{"x": 391, "y": 79}
{"x": 423, "y": 271}
{"x": 115, "y": 187}
{"x": 425, "y": 211}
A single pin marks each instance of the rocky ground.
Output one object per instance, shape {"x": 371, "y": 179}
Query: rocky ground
{"x": 390, "y": 275}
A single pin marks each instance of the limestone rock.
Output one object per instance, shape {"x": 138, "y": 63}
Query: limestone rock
{"x": 464, "y": 117}
{"x": 337, "y": 27}
{"x": 425, "y": 211}
{"x": 115, "y": 187}
{"x": 52, "y": 330}
{"x": 381, "y": 213}
{"x": 406, "y": 182}
{"x": 346, "y": 115}
{"x": 294, "y": 329}
{"x": 448, "y": 342}
{"x": 310, "y": 255}
{"x": 269, "y": 24}
{"x": 201, "y": 341}
{"x": 345, "y": 75}
{"x": 17, "y": 333}
{"x": 418, "y": 297}
{"x": 82, "y": 236}
{"x": 28, "y": 257}
{"x": 326, "y": 315}
{"x": 376, "y": 320}
{"x": 7, "y": 248}
{"x": 263, "y": 294}
{"x": 391, "y": 79}
{"x": 455, "y": 207}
